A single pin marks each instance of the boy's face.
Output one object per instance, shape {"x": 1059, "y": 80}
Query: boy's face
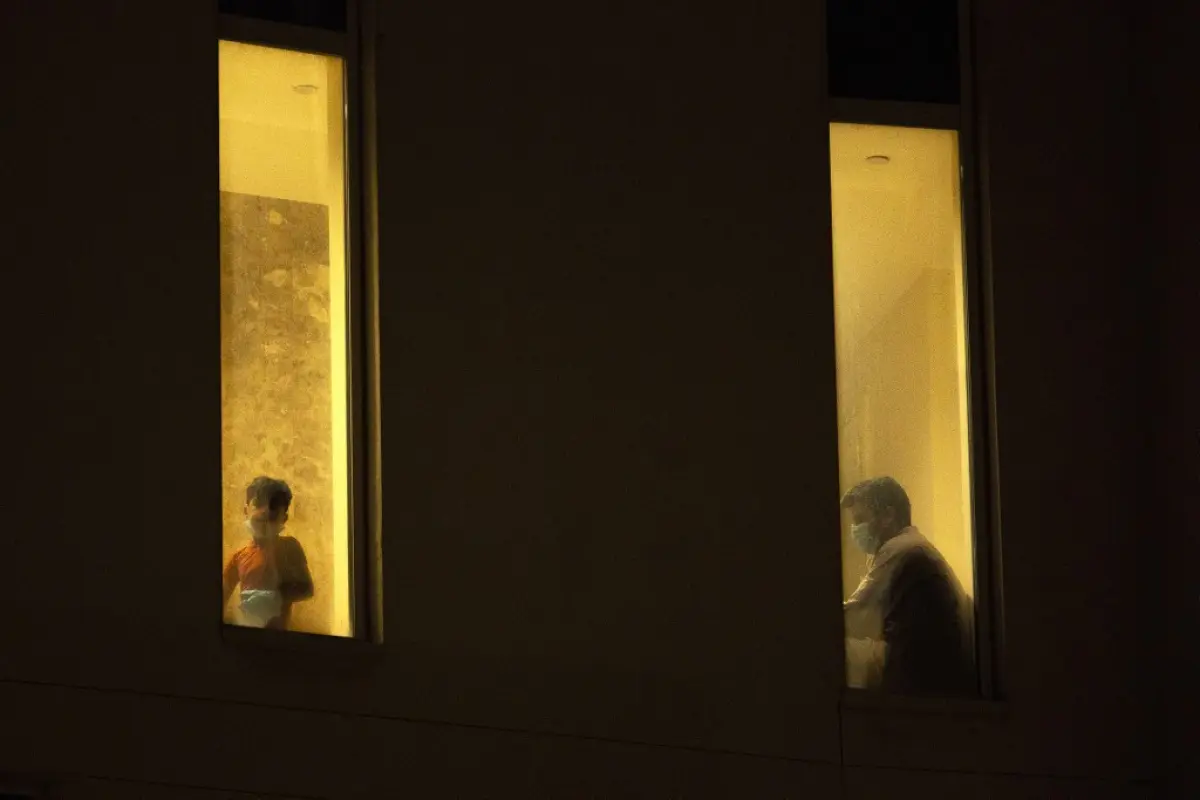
{"x": 263, "y": 525}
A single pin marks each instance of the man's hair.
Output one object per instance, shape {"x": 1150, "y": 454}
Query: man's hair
{"x": 270, "y": 492}
{"x": 878, "y": 494}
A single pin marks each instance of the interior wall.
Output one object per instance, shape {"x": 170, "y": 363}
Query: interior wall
{"x": 276, "y": 404}
{"x": 907, "y": 414}
{"x": 341, "y": 587}
{"x": 897, "y": 250}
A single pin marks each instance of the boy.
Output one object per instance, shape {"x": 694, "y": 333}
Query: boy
{"x": 272, "y": 570}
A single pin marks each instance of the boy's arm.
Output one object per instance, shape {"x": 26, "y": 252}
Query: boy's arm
{"x": 229, "y": 580}
{"x": 298, "y": 585}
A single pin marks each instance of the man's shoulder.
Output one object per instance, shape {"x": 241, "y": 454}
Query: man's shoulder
{"x": 911, "y": 543}
{"x": 918, "y": 557}
{"x": 908, "y": 545}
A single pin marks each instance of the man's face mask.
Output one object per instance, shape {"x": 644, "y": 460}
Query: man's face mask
{"x": 864, "y": 537}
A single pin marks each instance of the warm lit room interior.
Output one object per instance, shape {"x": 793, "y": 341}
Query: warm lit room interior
{"x": 283, "y": 307}
{"x": 901, "y": 343}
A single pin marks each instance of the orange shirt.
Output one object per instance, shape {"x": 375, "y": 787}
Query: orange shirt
{"x": 277, "y": 566}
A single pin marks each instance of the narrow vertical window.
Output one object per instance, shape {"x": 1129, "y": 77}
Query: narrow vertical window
{"x": 285, "y": 373}
{"x": 903, "y": 411}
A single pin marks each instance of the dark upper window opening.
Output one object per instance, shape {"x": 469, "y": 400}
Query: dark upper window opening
{"x": 327, "y": 14}
{"x": 898, "y": 50}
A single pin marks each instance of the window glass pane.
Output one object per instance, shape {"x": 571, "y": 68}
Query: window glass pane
{"x": 328, "y": 14}
{"x": 902, "y": 50}
{"x": 284, "y": 377}
{"x": 902, "y": 409}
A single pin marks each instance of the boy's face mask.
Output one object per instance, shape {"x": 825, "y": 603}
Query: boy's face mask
{"x": 261, "y": 525}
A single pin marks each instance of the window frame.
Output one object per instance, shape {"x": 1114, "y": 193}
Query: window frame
{"x": 961, "y": 118}
{"x": 362, "y": 357}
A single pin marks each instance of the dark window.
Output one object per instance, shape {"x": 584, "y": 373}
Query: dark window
{"x": 901, "y": 50}
{"x": 327, "y": 14}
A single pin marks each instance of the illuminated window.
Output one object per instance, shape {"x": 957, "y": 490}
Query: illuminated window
{"x": 903, "y": 411}
{"x": 285, "y": 369}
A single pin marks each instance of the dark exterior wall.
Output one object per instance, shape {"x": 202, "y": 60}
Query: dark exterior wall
{"x": 609, "y": 429}
{"x": 1170, "y": 79}
{"x": 599, "y": 364}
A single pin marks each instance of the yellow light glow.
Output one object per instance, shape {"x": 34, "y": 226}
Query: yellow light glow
{"x": 285, "y": 369}
{"x": 901, "y": 340}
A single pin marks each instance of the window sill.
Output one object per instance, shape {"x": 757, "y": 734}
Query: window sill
{"x": 296, "y": 642}
{"x": 877, "y": 702}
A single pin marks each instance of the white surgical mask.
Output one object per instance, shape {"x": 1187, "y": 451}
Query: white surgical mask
{"x": 259, "y": 536}
{"x": 863, "y": 538}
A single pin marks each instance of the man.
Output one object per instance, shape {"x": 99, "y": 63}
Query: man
{"x": 272, "y": 570}
{"x": 909, "y": 618}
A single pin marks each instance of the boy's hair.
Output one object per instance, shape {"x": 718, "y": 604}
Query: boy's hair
{"x": 270, "y": 492}
{"x": 878, "y": 494}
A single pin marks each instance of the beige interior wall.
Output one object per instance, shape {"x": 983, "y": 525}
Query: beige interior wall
{"x": 945, "y": 513}
{"x": 892, "y": 374}
{"x": 282, "y": 155}
{"x": 901, "y": 344}
{"x": 964, "y": 562}
{"x": 339, "y": 346}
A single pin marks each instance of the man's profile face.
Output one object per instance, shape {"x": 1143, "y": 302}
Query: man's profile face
{"x": 882, "y": 523}
{"x": 263, "y": 523}
{"x": 868, "y": 528}
{"x": 861, "y": 515}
